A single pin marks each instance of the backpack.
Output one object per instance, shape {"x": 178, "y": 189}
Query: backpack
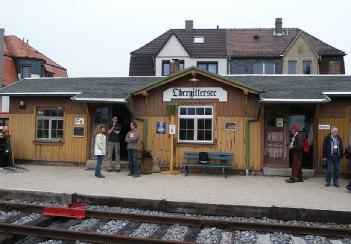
{"x": 306, "y": 146}
{"x": 203, "y": 158}
{"x": 347, "y": 152}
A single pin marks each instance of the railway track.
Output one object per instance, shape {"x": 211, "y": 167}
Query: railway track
{"x": 25, "y": 224}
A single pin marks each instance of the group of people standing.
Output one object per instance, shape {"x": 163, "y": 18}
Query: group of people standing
{"x": 106, "y": 146}
{"x": 332, "y": 153}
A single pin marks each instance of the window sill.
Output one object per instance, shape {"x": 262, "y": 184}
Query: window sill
{"x": 48, "y": 142}
{"x": 195, "y": 144}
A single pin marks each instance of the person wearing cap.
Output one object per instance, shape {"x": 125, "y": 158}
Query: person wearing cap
{"x": 332, "y": 153}
{"x": 296, "y": 152}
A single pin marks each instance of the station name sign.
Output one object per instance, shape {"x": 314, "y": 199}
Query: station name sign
{"x": 195, "y": 93}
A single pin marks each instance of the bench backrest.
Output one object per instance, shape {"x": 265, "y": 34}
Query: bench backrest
{"x": 211, "y": 155}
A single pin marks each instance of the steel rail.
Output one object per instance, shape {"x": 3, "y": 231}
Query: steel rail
{"x": 75, "y": 235}
{"x": 261, "y": 227}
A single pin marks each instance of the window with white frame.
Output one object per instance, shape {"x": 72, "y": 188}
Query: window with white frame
{"x": 26, "y": 71}
{"x": 49, "y": 124}
{"x": 195, "y": 124}
{"x": 263, "y": 68}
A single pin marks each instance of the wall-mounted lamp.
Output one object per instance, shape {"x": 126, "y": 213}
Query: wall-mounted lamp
{"x": 194, "y": 79}
{"x": 22, "y": 104}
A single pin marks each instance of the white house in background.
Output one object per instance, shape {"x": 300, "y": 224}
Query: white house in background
{"x": 174, "y": 50}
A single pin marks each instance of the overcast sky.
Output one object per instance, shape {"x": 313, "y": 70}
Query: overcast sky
{"x": 95, "y": 37}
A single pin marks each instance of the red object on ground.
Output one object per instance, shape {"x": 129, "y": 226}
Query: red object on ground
{"x": 74, "y": 210}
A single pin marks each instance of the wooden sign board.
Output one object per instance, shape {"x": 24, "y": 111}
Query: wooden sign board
{"x": 323, "y": 127}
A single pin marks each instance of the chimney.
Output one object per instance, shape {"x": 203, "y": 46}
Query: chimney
{"x": 189, "y": 24}
{"x": 2, "y": 31}
{"x": 174, "y": 66}
{"x": 278, "y": 31}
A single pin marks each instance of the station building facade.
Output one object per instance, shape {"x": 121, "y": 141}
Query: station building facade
{"x": 192, "y": 110}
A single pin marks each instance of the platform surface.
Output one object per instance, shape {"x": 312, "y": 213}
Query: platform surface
{"x": 234, "y": 190}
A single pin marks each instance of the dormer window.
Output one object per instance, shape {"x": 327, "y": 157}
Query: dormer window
{"x": 26, "y": 71}
{"x": 199, "y": 39}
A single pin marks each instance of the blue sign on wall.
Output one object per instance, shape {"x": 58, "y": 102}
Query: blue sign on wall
{"x": 161, "y": 127}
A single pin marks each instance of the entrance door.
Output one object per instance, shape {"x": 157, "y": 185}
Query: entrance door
{"x": 100, "y": 116}
{"x": 275, "y": 138}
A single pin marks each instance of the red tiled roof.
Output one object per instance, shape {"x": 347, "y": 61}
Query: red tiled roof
{"x": 262, "y": 42}
{"x": 15, "y": 47}
{"x": 257, "y": 42}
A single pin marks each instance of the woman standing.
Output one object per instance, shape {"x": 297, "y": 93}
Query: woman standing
{"x": 132, "y": 139}
{"x": 100, "y": 149}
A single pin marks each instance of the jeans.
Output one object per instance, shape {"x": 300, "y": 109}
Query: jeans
{"x": 99, "y": 159}
{"x": 133, "y": 165}
{"x": 335, "y": 161}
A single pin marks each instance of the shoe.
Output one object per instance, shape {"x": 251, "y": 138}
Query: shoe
{"x": 336, "y": 184}
{"x": 290, "y": 181}
{"x": 130, "y": 174}
{"x": 136, "y": 176}
{"x": 299, "y": 180}
{"x": 100, "y": 176}
{"x": 348, "y": 187}
{"x": 109, "y": 170}
{"x": 327, "y": 184}
{"x": 118, "y": 170}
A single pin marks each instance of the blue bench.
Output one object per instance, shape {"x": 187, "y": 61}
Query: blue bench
{"x": 222, "y": 161}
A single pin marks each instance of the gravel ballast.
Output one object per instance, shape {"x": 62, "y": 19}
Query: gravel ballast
{"x": 112, "y": 227}
{"x": 145, "y": 230}
{"x": 176, "y": 233}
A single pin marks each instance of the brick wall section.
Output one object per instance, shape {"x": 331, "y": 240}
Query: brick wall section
{"x": 2, "y": 31}
{"x": 9, "y": 71}
{"x": 332, "y": 65}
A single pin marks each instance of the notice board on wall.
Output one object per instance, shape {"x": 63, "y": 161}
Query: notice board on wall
{"x": 78, "y": 131}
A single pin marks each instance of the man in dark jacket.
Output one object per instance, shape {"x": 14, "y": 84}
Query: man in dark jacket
{"x": 332, "y": 152}
{"x": 296, "y": 153}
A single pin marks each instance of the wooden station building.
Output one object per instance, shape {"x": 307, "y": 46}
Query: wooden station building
{"x": 53, "y": 119}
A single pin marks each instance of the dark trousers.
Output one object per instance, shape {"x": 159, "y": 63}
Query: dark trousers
{"x": 296, "y": 171}
{"x": 335, "y": 161}
{"x": 133, "y": 165}
{"x": 99, "y": 159}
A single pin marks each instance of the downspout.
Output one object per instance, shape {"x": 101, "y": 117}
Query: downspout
{"x": 247, "y": 136}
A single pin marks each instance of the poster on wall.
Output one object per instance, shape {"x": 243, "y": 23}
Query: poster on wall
{"x": 161, "y": 127}
{"x": 79, "y": 121}
{"x": 172, "y": 129}
{"x": 230, "y": 126}
{"x": 279, "y": 122}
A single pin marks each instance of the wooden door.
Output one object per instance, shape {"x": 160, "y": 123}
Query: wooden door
{"x": 275, "y": 149}
{"x": 275, "y": 137}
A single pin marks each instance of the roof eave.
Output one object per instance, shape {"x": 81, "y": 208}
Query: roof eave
{"x": 12, "y": 94}
{"x": 99, "y": 100}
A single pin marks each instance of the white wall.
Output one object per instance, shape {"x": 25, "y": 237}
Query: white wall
{"x": 174, "y": 50}
{"x": 5, "y": 104}
{"x": 34, "y": 76}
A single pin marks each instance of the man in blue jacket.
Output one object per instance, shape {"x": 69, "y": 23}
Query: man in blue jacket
{"x": 332, "y": 152}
